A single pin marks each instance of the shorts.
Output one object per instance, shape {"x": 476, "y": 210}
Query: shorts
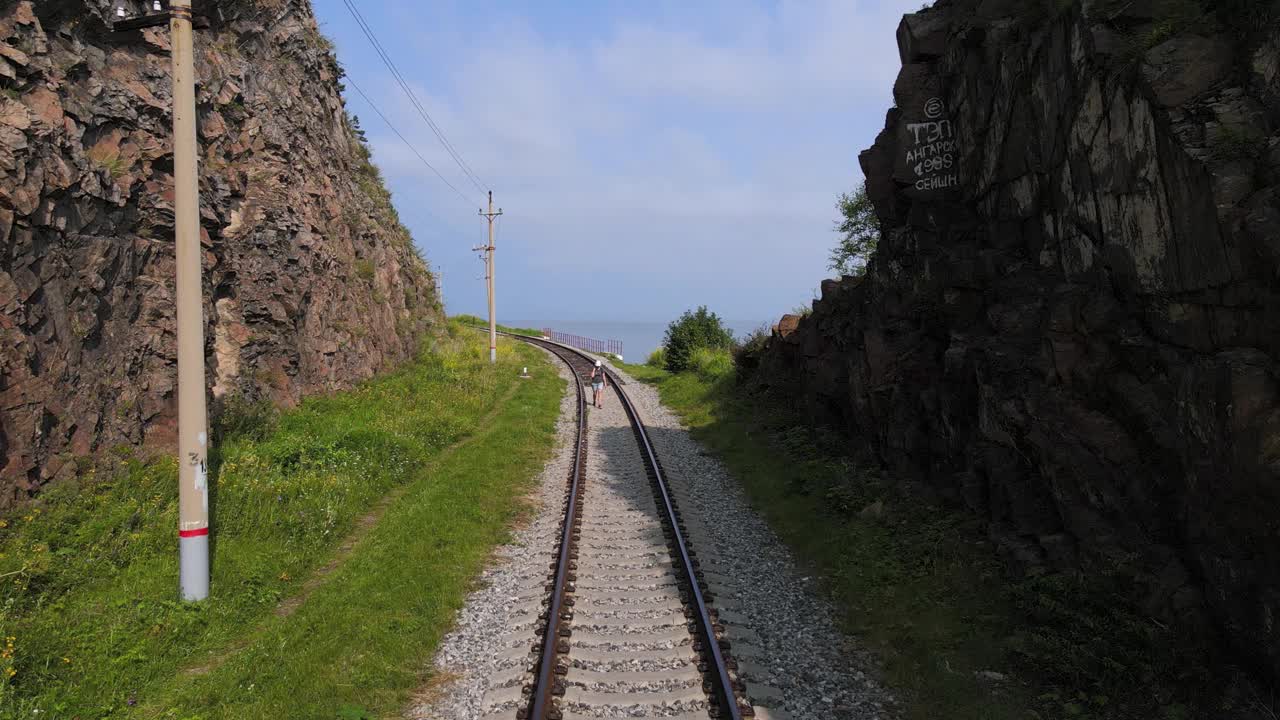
{"x": 597, "y": 386}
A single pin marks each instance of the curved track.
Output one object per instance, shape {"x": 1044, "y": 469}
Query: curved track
{"x": 628, "y": 630}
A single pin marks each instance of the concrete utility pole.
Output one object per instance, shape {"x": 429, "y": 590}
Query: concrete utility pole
{"x": 193, "y": 437}
{"x": 493, "y": 321}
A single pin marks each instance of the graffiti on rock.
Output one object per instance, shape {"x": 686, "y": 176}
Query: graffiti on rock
{"x": 931, "y": 156}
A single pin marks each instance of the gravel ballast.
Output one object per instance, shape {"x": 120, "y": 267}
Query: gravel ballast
{"x": 794, "y": 660}
{"x": 784, "y": 634}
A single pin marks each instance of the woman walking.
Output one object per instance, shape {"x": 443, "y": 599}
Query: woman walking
{"x": 598, "y": 379}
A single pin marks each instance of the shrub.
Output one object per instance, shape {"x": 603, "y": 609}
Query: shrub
{"x": 693, "y": 330}
{"x": 746, "y": 353}
{"x": 657, "y": 358}
{"x": 365, "y": 270}
{"x": 710, "y": 364}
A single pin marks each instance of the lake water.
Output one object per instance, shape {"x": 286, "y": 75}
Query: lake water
{"x": 638, "y": 338}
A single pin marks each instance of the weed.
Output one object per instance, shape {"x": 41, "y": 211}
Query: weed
{"x": 365, "y": 270}
{"x": 317, "y": 40}
{"x": 237, "y": 417}
{"x": 109, "y": 160}
{"x": 480, "y": 322}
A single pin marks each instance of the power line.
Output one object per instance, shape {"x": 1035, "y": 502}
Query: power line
{"x": 405, "y": 140}
{"x": 404, "y": 85}
{"x": 413, "y": 99}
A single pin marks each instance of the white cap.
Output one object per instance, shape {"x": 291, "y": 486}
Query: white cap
{"x": 598, "y": 363}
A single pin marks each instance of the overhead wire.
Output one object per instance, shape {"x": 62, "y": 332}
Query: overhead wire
{"x": 405, "y": 140}
{"x": 413, "y": 99}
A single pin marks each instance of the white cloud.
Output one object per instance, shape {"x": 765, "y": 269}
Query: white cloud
{"x": 720, "y": 148}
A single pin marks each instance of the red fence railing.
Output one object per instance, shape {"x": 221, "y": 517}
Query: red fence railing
{"x": 591, "y": 345}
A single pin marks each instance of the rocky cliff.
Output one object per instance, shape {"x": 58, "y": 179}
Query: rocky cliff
{"x": 1072, "y": 322}
{"x": 311, "y": 283}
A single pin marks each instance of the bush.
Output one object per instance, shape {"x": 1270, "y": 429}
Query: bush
{"x": 711, "y": 364}
{"x": 657, "y": 359}
{"x": 693, "y": 330}
{"x": 746, "y": 353}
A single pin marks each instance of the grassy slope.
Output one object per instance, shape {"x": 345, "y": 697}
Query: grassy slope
{"x": 91, "y": 579}
{"x": 919, "y": 584}
{"x": 480, "y": 322}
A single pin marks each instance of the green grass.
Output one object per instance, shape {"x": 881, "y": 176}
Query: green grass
{"x": 88, "y": 577}
{"x": 920, "y": 585}
{"x": 480, "y": 322}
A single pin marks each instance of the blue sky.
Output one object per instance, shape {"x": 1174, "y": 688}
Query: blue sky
{"x": 648, "y": 157}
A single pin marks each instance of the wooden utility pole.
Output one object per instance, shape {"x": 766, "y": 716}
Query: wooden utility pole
{"x": 488, "y": 266}
{"x": 193, "y": 437}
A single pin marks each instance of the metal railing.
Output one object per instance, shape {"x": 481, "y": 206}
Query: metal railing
{"x": 591, "y": 345}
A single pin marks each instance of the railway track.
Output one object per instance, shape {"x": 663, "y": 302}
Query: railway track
{"x": 627, "y": 626}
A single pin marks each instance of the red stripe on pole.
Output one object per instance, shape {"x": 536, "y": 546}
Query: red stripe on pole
{"x": 193, "y": 533}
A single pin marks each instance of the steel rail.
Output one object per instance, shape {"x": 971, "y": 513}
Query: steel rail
{"x": 722, "y": 685}
{"x": 540, "y": 701}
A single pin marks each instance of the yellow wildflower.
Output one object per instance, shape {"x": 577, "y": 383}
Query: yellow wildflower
{"x": 66, "y": 660}
{"x": 4, "y": 523}
{"x": 12, "y": 672}
{"x": 285, "y": 576}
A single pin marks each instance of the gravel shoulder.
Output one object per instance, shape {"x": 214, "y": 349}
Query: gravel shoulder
{"x": 794, "y": 658}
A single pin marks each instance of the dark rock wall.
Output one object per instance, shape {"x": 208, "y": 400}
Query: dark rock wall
{"x": 1072, "y": 324}
{"x": 310, "y": 282}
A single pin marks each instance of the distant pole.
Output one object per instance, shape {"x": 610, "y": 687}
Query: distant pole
{"x": 493, "y": 319}
{"x": 193, "y": 485}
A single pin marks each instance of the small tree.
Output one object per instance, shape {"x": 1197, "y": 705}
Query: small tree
{"x": 859, "y": 230}
{"x": 693, "y": 330}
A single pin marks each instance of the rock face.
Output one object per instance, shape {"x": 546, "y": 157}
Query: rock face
{"x": 1072, "y": 323}
{"x": 310, "y": 281}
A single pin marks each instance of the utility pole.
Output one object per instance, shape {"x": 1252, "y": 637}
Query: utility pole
{"x": 193, "y": 438}
{"x": 193, "y": 428}
{"x": 493, "y": 321}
